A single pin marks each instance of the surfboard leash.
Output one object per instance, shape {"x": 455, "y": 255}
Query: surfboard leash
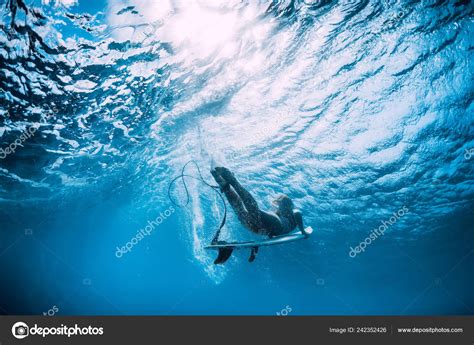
{"x": 216, "y": 189}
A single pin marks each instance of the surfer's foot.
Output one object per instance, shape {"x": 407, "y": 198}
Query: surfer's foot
{"x": 226, "y": 174}
{"x": 224, "y": 255}
{"x": 223, "y": 184}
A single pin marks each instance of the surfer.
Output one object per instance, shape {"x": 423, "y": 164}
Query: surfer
{"x": 284, "y": 220}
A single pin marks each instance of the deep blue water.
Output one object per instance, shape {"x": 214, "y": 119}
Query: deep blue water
{"x": 355, "y": 109}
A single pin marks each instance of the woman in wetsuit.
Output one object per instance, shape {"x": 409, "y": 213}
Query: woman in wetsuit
{"x": 283, "y": 221}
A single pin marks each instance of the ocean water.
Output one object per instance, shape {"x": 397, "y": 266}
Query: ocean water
{"x": 360, "y": 111}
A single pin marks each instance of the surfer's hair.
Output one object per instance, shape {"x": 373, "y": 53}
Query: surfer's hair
{"x": 285, "y": 206}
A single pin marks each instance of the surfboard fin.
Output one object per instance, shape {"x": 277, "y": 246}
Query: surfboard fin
{"x": 224, "y": 255}
{"x": 253, "y": 254}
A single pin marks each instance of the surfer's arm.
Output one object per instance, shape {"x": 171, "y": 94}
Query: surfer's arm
{"x": 299, "y": 222}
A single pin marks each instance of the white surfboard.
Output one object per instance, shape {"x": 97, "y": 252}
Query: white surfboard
{"x": 289, "y": 237}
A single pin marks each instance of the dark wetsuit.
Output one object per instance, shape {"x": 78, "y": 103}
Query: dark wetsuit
{"x": 247, "y": 210}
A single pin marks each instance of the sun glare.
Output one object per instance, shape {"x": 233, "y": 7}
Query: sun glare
{"x": 202, "y": 30}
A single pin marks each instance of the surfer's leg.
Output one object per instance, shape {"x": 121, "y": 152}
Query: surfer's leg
{"x": 233, "y": 198}
{"x": 249, "y": 202}
{"x": 237, "y": 206}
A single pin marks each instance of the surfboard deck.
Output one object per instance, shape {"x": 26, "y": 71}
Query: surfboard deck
{"x": 290, "y": 237}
